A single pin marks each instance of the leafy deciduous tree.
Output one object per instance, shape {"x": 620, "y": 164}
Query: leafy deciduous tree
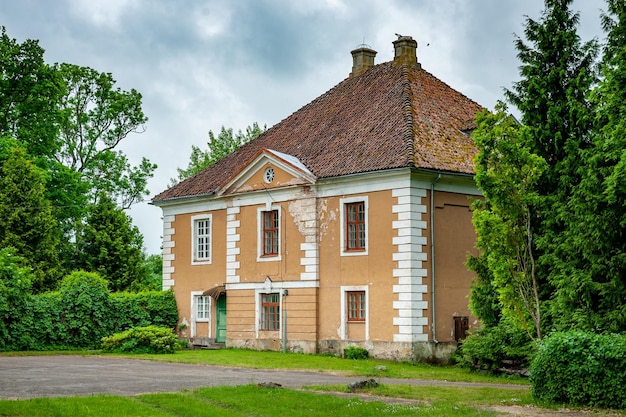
{"x": 217, "y": 148}
{"x": 29, "y": 90}
{"x": 507, "y": 172}
{"x": 95, "y": 118}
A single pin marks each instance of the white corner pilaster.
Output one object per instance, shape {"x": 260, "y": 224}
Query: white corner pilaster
{"x": 409, "y": 255}
{"x": 168, "y": 256}
{"x": 232, "y": 244}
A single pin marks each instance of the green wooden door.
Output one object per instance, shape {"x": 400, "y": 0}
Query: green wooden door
{"x": 220, "y": 322}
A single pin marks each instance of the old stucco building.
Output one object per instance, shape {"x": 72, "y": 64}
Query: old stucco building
{"x": 347, "y": 223}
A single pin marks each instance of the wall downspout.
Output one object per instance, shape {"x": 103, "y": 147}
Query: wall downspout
{"x": 432, "y": 256}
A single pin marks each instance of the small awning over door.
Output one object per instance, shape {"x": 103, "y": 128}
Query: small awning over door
{"x": 216, "y": 291}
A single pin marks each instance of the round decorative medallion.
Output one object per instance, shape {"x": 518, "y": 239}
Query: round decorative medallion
{"x": 268, "y": 175}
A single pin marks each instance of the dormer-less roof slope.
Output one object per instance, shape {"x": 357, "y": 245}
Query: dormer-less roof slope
{"x": 390, "y": 116}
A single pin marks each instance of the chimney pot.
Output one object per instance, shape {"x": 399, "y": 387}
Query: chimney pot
{"x": 362, "y": 59}
{"x": 405, "y": 51}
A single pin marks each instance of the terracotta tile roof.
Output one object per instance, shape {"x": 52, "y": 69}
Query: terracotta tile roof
{"x": 388, "y": 117}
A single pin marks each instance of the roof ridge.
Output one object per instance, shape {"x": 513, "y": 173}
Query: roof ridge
{"x": 407, "y": 112}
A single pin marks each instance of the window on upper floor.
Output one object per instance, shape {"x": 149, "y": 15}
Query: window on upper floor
{"x": 268, "y": 220}
{"x": 356, "y": 306}
{"x": 354, "y": 226}
{"x": 201, "y": 239}
{"x": 270, "y": 312}
{"x": 270, "y": 233}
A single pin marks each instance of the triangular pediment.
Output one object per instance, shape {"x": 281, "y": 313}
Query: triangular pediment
{"x": 268, "y": 169}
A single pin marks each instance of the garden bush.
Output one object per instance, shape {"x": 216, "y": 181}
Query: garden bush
{"x": 149, "y": 339}
{"x": 85, "y": 309}
{"x": 496, "y": 348}
{"x": 581, "y": 369}
{"x": 355, "y": 352}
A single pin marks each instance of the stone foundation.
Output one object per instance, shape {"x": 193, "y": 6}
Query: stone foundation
{"x": 293, "y": 346}
{"x": 396, "y": 351}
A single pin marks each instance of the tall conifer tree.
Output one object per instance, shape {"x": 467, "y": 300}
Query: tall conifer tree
{"x": 591, "y": 260}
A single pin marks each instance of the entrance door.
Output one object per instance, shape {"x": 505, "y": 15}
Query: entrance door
{"x": 220, "y": 321}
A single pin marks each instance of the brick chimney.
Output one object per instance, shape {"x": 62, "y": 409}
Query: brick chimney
{"x": 362, "y": 59}
{"x": 405, "y": 51}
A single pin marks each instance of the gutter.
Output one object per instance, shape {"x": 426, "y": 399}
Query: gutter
{"x": 432, "y": 257}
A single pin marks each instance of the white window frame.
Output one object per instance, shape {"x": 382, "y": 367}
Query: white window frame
{"x": 257, "y": 295}
{"x": 260, "y": 240}
{"x": 343, "y": 330}
{"x": 194, "y": 312}
{"x": 195, "y": 260}
{"x": 342, "y": 219}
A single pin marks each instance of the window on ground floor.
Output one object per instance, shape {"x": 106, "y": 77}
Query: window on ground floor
{"x": 461, "y": 326}
{"x": 270, "y": 311}
{"x": 202, "y": 307}
{"x": 355, "y": 302}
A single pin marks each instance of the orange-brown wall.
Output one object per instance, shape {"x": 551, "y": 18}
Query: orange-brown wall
{"x": 374, "y": 269}
{"x": 188, "y": 277}
{"x": 288, "y": 267}
{"x": 454, "y": 241}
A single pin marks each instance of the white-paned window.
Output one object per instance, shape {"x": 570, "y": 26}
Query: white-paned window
{"x": 201, "y": 240}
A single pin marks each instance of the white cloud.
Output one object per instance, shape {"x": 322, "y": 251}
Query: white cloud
{"x": 103, "y": 13}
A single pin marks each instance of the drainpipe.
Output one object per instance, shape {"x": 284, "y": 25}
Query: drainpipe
{"x": 284, "y": 323}
{"x": 432, "y": 256}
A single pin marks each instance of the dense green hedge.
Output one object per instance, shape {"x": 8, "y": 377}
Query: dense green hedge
{"x": 581, "y": 369}
{"x": 79, "y": 315}
{"x": 148, "y": 339}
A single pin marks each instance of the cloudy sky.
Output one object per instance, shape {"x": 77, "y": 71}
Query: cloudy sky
{"x": 203, "y": 64}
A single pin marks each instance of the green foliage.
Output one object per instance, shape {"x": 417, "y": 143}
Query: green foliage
{"x": 149, "y": 339}
{"x": 355, "y": 352}
{"x": 590, "y": 261}
{"x": 85, "y": 308}
{"x": 153, "y": 280}
{"x": 493, "y": 347}
{"x": 156, "y": 308}
{"x": 15, "y": 283}
{"x": 26, "y": 220}
{"x": 507, "y": 173}
{"x": 528, "y": 173}
{"x": 94, "y": 118}
{"x": 77, "y": 316}
{"x": 29, "y": 90}
{"x": 217, "y": 148}
{"x": 484, "y": 301}
{"x": 581, "y": 369}
{"x": 110, "y": 245}
{"x": 69, "y": 121}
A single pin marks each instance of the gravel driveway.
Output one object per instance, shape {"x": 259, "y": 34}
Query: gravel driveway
{"x": 69, "y": 375}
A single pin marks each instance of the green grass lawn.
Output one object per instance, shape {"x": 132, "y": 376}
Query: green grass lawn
{"x": 251, "y": 400}
{"x": 248, "y": 400}
{"x": 322, "y": 363}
